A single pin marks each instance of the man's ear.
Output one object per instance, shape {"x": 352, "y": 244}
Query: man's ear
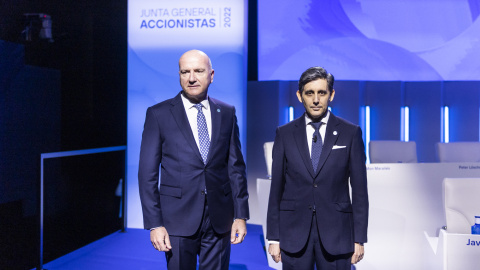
{"x": 299, "y": 96}
{"x": 332, "y": 95}
{"x": 211, "y": 75}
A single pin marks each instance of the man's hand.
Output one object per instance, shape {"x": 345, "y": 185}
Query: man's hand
{"x": 358, "y": 254}
{"x": 239, "y": 230}
{"x": 160, "y": 239}
{"x": 274, "y": 250}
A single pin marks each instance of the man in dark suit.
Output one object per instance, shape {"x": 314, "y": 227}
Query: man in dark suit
{"x": 201, "y": 205}
{"x": 311, "y": 217}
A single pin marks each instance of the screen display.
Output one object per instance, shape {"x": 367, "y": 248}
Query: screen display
{"x": 406, "y": 40}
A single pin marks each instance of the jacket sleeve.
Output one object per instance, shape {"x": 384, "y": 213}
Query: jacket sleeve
{"x": 237, "y": 175}
{"x": 276, "y": 189}
{"x": 358, "y": 182}
{"x": 148, "y": 171}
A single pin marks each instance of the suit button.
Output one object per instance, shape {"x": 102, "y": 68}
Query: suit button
{"x": 314, "y": 185}
{"x": 203, "y": 192}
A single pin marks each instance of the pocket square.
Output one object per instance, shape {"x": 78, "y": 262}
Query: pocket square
{"x": 338, "y": 147}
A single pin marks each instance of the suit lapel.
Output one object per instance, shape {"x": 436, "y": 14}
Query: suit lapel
{"x": 300, "y": 135}
{"x": 180, "y": 116}
{"x": 215, "y": 112}
{"x": 331, "y": 136}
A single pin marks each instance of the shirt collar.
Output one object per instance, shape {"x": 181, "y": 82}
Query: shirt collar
{"x": 188, "y": 104}
{"x": 324, "y": 119}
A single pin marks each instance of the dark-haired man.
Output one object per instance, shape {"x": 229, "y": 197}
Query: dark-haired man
{"x": 312, "y": 220}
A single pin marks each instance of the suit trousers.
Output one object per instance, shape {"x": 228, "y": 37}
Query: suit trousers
{"x": 213, "y": 249}
{"x": 315, "y": 254}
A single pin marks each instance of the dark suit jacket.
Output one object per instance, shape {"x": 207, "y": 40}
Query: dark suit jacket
{"x": 178, "y": 205}
{"x": 296, "y": 188}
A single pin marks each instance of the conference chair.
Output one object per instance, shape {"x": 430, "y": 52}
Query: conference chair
{"x": 457, "y": 247}
{"x": 458, "y": 152}
{"x": 462, "y": 203}
{"x": 267, "y": 150}
{"x": 392, "y": 152}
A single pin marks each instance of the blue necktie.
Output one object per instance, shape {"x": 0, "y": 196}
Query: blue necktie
{"x": 203, "y": 138}
{"x": 316, "y": 145}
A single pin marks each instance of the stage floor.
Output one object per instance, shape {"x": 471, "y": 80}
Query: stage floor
{"x": 132, "y": 250}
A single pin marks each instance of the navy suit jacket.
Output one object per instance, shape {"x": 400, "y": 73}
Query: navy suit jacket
{"x": 168, "y": 142}
{"x": 296, "y": 188}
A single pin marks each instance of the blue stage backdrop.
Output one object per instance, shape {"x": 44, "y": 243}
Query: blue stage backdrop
{"x": 159, "y": 32}
{"x": 397, "y": 40}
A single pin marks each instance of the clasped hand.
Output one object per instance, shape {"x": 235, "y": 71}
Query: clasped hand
{"x": 161, "y": 240}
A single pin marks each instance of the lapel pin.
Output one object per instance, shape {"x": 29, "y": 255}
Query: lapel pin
{"x": 335, "y": 132}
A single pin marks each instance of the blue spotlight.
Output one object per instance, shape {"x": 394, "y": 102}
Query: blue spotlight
{"x": 367, "y": 132}
{"x": 446, "y": 125}
{"x": 405, "y": 124}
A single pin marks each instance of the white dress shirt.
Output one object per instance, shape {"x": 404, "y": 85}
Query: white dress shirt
{"x": 311, "y": 130}
{"x": 192, "y": 117}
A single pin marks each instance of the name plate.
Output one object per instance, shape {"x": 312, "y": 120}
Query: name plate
{"x": 461, "y": 251}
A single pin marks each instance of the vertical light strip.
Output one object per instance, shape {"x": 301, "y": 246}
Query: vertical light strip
{"x": 406, "y": 124}
{"x": 367, "y": 132}
{"x": 290, "y": 113}
{"x": 446, "y": 125}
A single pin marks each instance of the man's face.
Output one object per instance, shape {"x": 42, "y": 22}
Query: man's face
{"x": 196, "y": 74}
{"x": 315, "y": 98}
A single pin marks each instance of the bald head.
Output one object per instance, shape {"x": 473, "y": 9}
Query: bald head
{"x": 195, "y": 54}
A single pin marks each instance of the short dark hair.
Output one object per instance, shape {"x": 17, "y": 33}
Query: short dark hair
{"x": 315, "y": 73}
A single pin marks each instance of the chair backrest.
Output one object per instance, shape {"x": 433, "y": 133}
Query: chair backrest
{"x": 392, "y": 152}
{"x": 458, "y": 152}
{"x": 267, "y": 150}
{"x": 462, "y": 203}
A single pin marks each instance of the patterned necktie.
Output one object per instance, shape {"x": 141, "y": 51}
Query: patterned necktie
{"x": 203, "y": 137}
{"x": 316, "y": 145}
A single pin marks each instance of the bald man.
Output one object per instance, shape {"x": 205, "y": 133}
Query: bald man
{"x": 192, "y": 142}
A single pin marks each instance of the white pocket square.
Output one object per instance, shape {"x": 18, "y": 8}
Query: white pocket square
{"x": 338, "y": 147}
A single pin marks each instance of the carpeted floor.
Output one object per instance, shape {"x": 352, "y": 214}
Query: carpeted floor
{"x": 132, "y": 250}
